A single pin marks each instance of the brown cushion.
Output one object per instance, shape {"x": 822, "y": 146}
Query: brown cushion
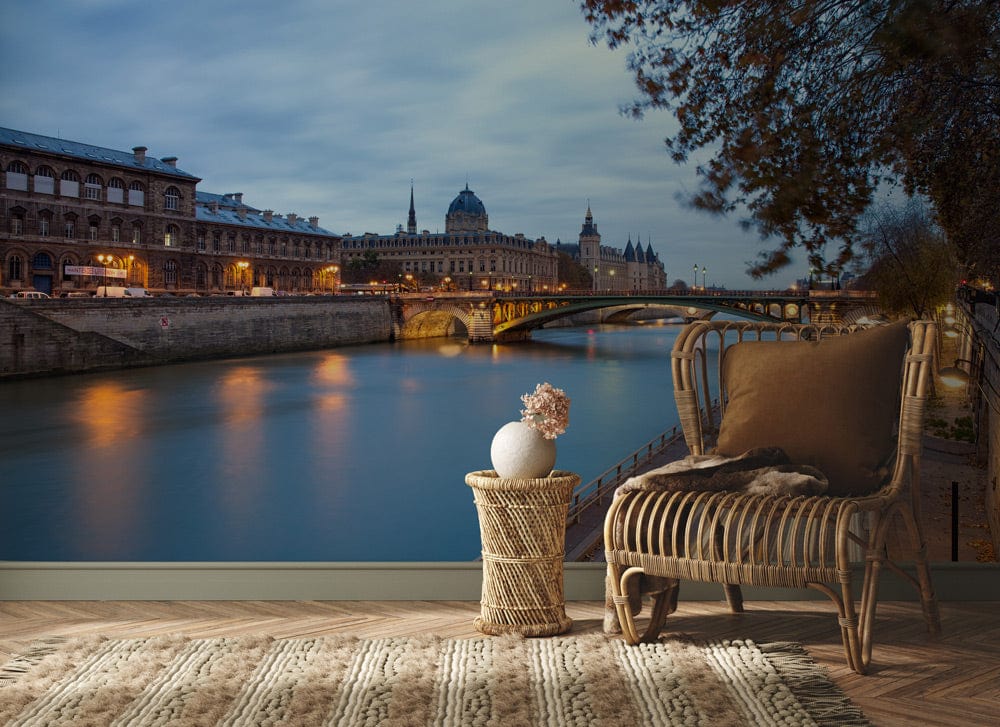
{"x": 831, "y": 404}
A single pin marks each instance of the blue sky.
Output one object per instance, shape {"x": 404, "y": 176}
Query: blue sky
{"x": 330, "y": 108}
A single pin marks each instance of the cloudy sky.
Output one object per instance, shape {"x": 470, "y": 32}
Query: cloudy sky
{"x": 331, "y": 107}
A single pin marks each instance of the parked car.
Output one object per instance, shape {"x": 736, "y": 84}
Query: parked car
{"x": 30, "y": 295}
{"x": 262, "y": 292}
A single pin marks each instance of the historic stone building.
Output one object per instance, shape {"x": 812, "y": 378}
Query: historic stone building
{"x": 467, "y": 255}
{"x": 74, "y": 216}
{"x": 613, "y": 269}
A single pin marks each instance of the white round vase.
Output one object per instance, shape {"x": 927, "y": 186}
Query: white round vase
{"x": 520, "y": 452}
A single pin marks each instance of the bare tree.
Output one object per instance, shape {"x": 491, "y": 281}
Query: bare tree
{"x": 910, "y": 263}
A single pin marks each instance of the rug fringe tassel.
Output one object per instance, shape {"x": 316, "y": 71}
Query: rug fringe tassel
{"x": 815, "y": 691}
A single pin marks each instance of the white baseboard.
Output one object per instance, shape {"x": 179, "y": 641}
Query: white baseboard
{"x": 445, "y": 581}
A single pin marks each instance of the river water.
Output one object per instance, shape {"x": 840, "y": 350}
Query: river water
{"x": 350, "y": 454}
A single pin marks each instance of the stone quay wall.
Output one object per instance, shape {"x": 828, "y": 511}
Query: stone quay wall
{"x": 40, "y": 338}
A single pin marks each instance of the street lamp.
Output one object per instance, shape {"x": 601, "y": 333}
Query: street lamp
{"x": 595, "y": 279}
{"x": 243, "y": 265}
{"x": 695, "y": 284}
{"x": 704, "y": 283}
{"x": 105, "y": 260}
{"x": 328, "y": 271}
{"x": 611, "y": 284}
{"x": 447, "y": 282}
{"x": 409, "y": 280}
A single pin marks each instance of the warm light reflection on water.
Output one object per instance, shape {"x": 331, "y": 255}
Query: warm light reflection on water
{"x": 110, "y": 414}
{"x": 355, "y": 454}
{"x": 240, "y": 401}
{"x": 112, "y": 418}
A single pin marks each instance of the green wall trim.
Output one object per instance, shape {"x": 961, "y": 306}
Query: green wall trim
{"x": 442, "y": 581}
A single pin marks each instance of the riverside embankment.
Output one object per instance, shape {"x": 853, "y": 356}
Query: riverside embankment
{"x": 43, "y": 338}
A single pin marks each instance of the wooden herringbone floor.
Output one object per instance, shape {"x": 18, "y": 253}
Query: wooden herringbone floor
{"x": 914, "y": 681}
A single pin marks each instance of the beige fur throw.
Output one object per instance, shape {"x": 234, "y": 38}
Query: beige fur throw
{"x": 762, "y": 471}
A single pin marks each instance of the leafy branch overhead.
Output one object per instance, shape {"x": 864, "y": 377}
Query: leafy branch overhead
{"x": 808, "y": 106}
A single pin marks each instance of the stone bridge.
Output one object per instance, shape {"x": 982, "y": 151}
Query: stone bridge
{"x": 500, "y": 317}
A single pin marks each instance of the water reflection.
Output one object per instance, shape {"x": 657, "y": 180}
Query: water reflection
{"x": 111, "y": 418}
{"x": 353, "y": 454}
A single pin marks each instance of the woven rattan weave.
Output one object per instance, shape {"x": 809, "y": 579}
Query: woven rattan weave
{"x": 523, "y": 528}
{"x": 742, "y": 539}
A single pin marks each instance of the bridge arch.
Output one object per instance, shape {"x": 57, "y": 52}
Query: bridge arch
{"x": 435, "y": 322}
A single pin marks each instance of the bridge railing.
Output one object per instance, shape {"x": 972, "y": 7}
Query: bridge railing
{"x": 594, "y": 492}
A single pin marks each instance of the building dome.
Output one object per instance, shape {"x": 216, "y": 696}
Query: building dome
{"x": 466, "y": 213}
{"x": 467, "y": 202}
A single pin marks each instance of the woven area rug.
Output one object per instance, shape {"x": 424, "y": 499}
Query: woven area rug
{"x": 506, "y": 681}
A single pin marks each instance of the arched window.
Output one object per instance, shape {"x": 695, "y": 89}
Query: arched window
{"x": 93, "y": 227}
{"x": 170, "y": 237}
{"x": 17, "y": 176}
{"x": 41, "y": 261}
{"x": 136, "y": 233}
{"x": 45, "y": 180}
{"x": 171, "y": 198}
{"x": 200, "y": 276}
{"x": 116, "y": 230}
{"x": 170, "y": 273}
{"x": 136, "y": 194}
{"x": 15, "y": 268}
{"x": 116, "y": 190}
{"x": 92, "y": 187}
{"x": 69, "y": 184}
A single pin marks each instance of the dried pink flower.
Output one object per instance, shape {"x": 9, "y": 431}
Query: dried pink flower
{"x": 547, "y": 410}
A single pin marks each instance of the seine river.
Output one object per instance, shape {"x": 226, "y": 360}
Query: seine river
{"x": 351, "y": 454}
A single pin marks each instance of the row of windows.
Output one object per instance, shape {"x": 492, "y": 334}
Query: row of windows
{"x": 270, "y": 246}
{"x": 43, "y": 261}
{"x": 93, "y": 186}
{"x": 172, "y": 237}
{"x": 444, "y": 241}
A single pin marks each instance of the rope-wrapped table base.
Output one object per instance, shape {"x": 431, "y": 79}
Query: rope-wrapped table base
{"x": 522, "y": 524}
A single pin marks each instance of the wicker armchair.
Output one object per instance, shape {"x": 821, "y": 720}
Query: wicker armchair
{"x": 782, "y": 541}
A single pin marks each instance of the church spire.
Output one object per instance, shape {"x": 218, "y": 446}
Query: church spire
{"x": 411, "y": 221}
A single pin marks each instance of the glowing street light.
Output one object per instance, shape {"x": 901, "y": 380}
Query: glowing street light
{"x": 243, "y": 265}
{"x": 704, "y": 283}
{"x": 695, "y": 283}
{"x": 105, "y": 260}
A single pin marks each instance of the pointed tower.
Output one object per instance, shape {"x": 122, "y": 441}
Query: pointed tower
{"x": 411, "y": 220}
{"x": 590, "y": 242}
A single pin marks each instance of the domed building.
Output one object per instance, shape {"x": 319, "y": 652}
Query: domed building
{"x": 468, "y": 255}
{"x": 466, "y": 213}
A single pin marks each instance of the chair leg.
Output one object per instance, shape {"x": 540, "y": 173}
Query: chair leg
{"x": 928, "y": 599}
{"x": 664, "y": 603}
{"x": 850, "y": 631}
{"x": 734, "y": 597}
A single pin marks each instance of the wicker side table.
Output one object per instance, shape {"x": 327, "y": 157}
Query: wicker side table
{"x": 522, "y": 524}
